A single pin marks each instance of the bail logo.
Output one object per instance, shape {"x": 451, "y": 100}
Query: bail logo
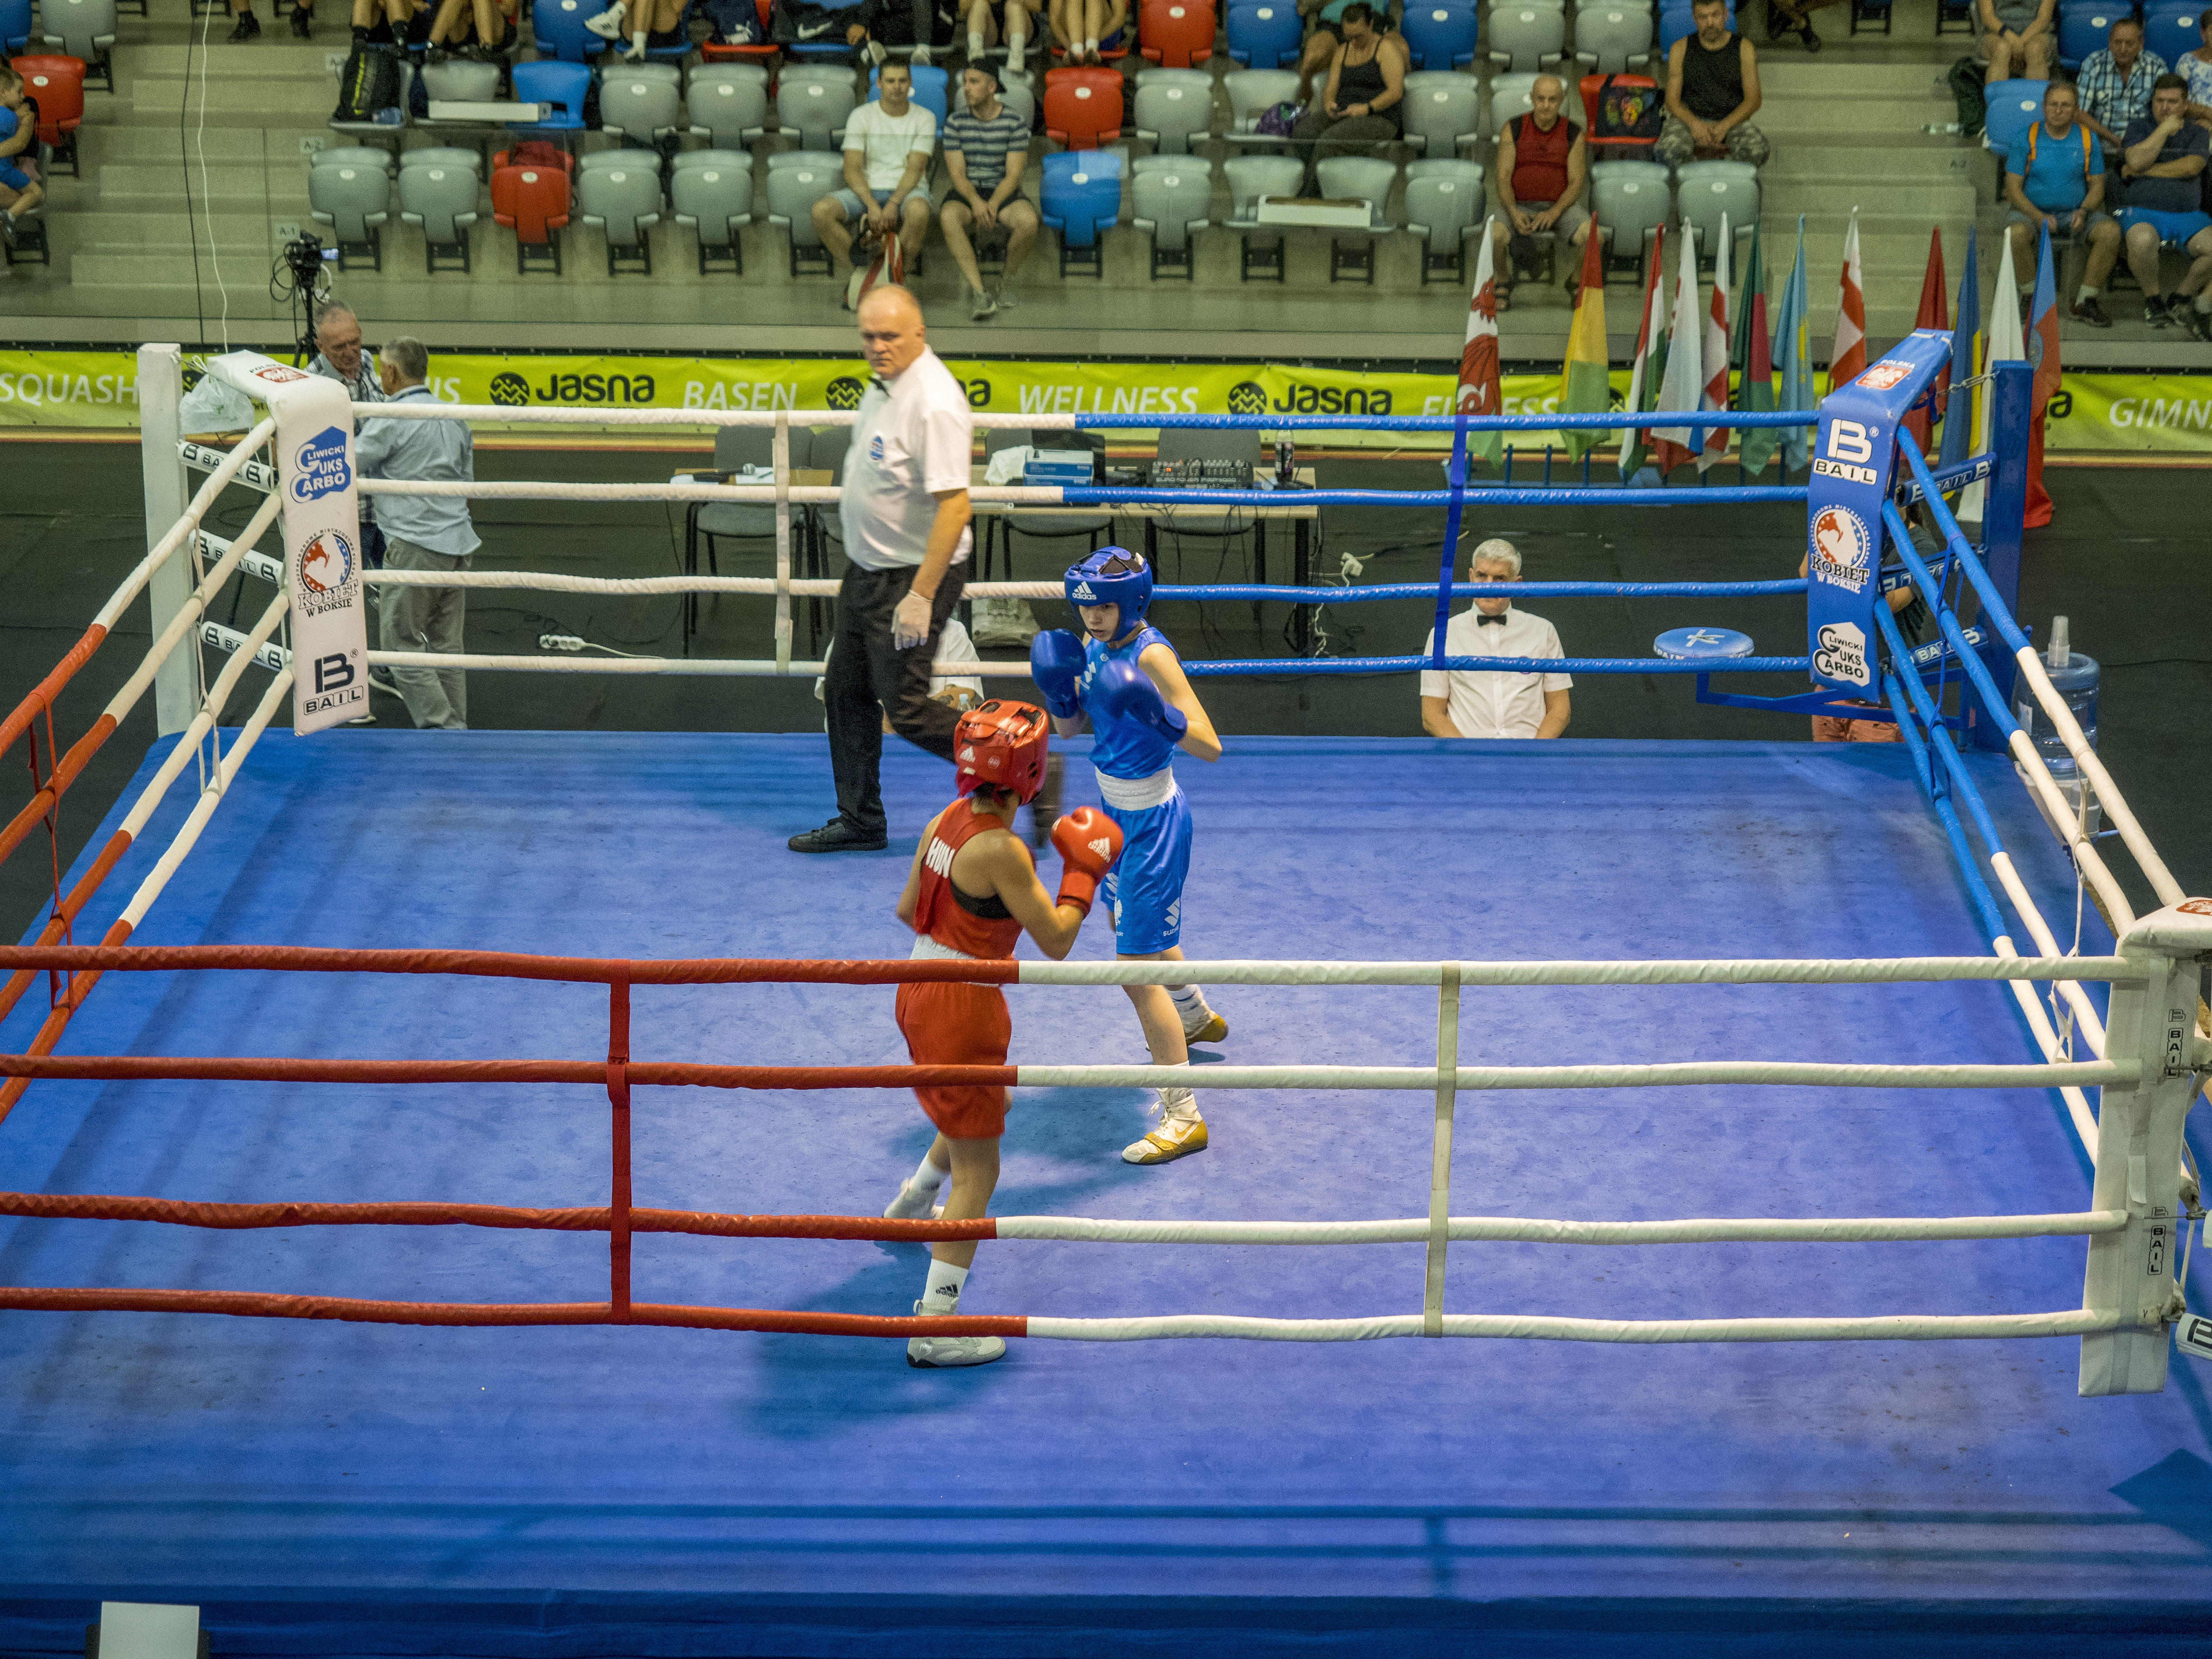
{"x": 320, "y": 468}
{"x": 1842, "y": 654}
{"x": 1842, "y": 551}
{"x": 324, "y": 573}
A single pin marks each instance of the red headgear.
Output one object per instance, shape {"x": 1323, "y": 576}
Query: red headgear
{"x": 1001, "y": 744}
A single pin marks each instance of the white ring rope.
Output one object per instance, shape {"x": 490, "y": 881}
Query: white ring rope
{"x": 805, "y": 587}
{"x": 1888, "y": 1327}
{"x": 1692, "y": 970}
{"x": 1517, "y": 1229}
{"x": 1771, "y": 1073}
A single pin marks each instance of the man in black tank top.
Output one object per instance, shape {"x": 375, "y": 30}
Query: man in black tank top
{"x": 1712, "y": 92}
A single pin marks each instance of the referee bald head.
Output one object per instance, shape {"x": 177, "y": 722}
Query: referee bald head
{"x": 891, "y": 332}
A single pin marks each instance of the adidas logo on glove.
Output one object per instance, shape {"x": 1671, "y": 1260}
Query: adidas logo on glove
{"x": 969, "y": 753}
{"x": 1102, "y": 846}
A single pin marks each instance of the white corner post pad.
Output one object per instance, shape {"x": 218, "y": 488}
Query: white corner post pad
{"x": 2131, "y": 1272}
{"x": 322, "y": 534}
{"x": 148, "y": 1629}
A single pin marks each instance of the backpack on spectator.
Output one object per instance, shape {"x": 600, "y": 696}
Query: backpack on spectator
{"x": 1277, "y": 119}
{"x": 1966, "y": 77}
{"x": 794, "y": 20}
{"x": 1629, "y": 112}
{"x": 369, "y": 83}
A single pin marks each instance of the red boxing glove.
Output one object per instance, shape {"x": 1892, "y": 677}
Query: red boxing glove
{"x": 1089, "y": 841}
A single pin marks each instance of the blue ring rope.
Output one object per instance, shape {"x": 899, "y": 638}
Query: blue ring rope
{"x": 1947, "y": 619}
{"x": 1481, "y": 591}
{"x": 1971, "y": 563}
{"x": 1948, "y": 815}
{"x": 1609, "y": 421}
{"x": 1213, "y": 501}
{"x": 1296, "y": 665}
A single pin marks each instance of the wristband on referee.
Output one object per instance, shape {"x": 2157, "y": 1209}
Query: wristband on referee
{"x": 1077, "y": 888}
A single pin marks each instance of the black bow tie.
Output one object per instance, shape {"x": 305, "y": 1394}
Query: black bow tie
{"x": 1497, "y": 621}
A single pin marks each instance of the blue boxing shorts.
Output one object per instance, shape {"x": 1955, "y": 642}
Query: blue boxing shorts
{"x": 1144, "y": 890}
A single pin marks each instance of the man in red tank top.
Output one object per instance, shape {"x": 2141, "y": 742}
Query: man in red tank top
{"x": 1541, "y": 164}
{"x": 972, "y": 892}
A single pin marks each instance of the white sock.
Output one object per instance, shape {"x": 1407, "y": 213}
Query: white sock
{"x": 2084, "y": 295}
{"x": 927, "y": 1175}
{"x": 636, "y": 44}
{"x": 1189, "y": 1004}
{"x": 942, "y": 1295}
{"x": 974, "y": 45}
{"x": 1016, "y": 46}
{"x": 2204, "y": 300}
{"x": 1090, "y": 44}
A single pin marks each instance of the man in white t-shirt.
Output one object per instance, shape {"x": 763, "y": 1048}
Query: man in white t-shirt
{"x": 903, "y": 507}
{"x": 888, "y": 146}
{"x": 1465, "y": 703}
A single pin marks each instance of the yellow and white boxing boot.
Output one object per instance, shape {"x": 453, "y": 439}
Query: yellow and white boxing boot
{"x": 1182, "y": 1131}
{"x": 1199, "y": 1023}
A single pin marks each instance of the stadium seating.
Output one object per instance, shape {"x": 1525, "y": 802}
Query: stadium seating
{"x": 460, "y": 80}
{"x": 714, "y": 198}
{"x": 1265, "y": 33}
{"x": 2010, "y": 108}
{"x": 1176, "y": 34}
{"x": 795, "y": 185}
{"x": 1251, "y": 92}
{"x": 353, "y": 201}
{"x": 56, "y": 85}
{"x": 1615, "y": 149}
{"x": 1439, "y": 34}
{"x": 624, "y": 202}
{"x": 814, "y": 111}
{"x": 637, "y": 104}
{"x": 1082, "y": 106}
{"x": 727, "y": 104}
{"x": 1172, "y": 107}
{"x": 1508, "y": 98}
{"x": 1251, "y": 177}
{"x": 932, "y": 89}
{"x": 1443, "y": 112}
{"x": 2082, "y": 26}
{"x": 674, "y": 57}
{"x": 1019, "y": 99}
{"x": 1366, "y": 179}
{"x": 558, "y": 82}
{"x": 1612, "y": 39}
{"x": 1171, "y": 196}
{"x": 440, "y": 199}
{"x": 15, "y": 25}
{"x": 557, "y": 26}
{"x": 84, "y": 29}
{"x": 2169, "y": 29}
{"x": 533, "y": 203}
{"x": 831, "y": 160}
{"x": 1706, "y": 190}
{"x": 727, "y": 52}
{"x": 1444, "y": 202}
{"x": 1524, "y": 37}
{"x": 440, "y": 155}
{"x": 1081, "y": 198}
{"x": 1630, "y": 201}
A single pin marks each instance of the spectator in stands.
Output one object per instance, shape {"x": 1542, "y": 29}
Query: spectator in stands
{"x": 876, "y": 16}
{"x": 424, "y": 532}
{"x": 2163, "y": 166}
{"x": 2114, "y": 86}
{"x": 1541, "y": 164}
{"x": 339, "y": 356}
{"x": 1320, "y": 49}
{"x": 1364, "y": 103}
{"x": 1463, "y": 702}
{"x": 2018, "y": 38}
{"x": 887, "y": 145}
{"x": 987, "y": 146}
{"x": 990, "y": 21}
{"x": 248, "y": 26}
{"x": 18, "y": 142}
{"x": 393, "y": 20}
{"x": 2194, "y": 66}
{"x": 493, "y": 22}
{"x": 1086, "y": 26}
{"x": 2055, "y": 176}
{"x": 1784, "y": 18}
{"x": 1712, "y": 92}
{"x": 646, "y": 22}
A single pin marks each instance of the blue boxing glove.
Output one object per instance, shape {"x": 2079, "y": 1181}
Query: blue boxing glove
{"x": 1056, "y": 661}
{"x": 1126, "y": 693}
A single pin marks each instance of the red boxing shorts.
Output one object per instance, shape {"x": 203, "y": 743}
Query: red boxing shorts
{"x": 958, "y": 1025}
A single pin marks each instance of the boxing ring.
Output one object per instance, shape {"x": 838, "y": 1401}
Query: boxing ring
{"x": 1640, "y": 916}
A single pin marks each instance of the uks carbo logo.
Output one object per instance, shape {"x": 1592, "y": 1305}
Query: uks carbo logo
{"x": 319, "y": 467}
{"x": 322, "y": 572}
{"x": 845, "y": 392}
{"x": 1842, "y": 552}
{"x": 1840, "y": 654}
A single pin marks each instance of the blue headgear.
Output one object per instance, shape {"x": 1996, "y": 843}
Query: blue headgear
{"x": 1113, "y": 576}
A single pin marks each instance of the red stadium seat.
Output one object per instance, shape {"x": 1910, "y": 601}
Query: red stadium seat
{"x": 1082, "y": 106}
{"x": 1176, "y": 33}
{"x": 1615, "y": 149}
{"x": 56, "y": 85}
{"x": 534, "y": 202}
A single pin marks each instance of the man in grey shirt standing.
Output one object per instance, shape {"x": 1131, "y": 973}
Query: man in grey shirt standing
{"x": 421, "y": 532}
{"x": 339, "y": 356}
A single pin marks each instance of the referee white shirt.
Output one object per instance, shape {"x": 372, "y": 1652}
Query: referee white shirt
{"x": 1501, "y": 704}
{"x": 913, "y": 440}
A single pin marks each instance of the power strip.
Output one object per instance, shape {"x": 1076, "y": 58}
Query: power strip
{"x": 559, "y": 642}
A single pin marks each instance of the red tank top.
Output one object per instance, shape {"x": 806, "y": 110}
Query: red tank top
{"x": 1539, "y": 159}
{"x": 939, "y": 913}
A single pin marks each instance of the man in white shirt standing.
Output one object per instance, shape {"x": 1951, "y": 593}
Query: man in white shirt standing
{"x": 1465, "y": 703}
{"x": 904, "y": 509}
{"x": 888, "y": 146}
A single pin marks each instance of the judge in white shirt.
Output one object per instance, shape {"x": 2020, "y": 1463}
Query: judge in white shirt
{"x": 1464, "y": 702}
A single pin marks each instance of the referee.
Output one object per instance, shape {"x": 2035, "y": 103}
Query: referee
{"x": 904, "y": 508}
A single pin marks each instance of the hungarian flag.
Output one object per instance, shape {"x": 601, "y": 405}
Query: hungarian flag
{"x": 1671, "y": 445}
{"x": 1931, "y": 314}
{"x": 1793, "y": 352}
{"x": 1965, "y": 359}
{"x": 1650, "y": 363}
{"x": 1480, "y": 391}
{"x": 1754, "y": 355}
{"x": 1586, "y": 380}
{"x": 2043, "y": 352}
{"x": 1847, "y": 358}
{"x": 1716, "y": 393}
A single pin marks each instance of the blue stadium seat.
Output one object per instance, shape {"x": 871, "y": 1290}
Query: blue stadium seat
{"x": 1081, "y": 197}
{"x": 1265, "y": 33}
{"x": 1439, "y": 33}
{"x": 557, "y": 81}
{"x": 2170, "y": 29}
{"x": 932, "y": 87}
{"x": 2082, "y": 28}
{"x": 14, "y": 26}
{"x": 559, "y": 27}
{"x": 2013, "y": 107}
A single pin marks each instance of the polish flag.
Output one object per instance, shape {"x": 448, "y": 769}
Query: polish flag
{"x": 1847, "y": 360}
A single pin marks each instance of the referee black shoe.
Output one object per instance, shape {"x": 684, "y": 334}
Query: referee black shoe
{"x": 837, "y": 836}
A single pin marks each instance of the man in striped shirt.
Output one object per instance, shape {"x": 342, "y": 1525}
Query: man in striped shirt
{"x": 987, "y": 146}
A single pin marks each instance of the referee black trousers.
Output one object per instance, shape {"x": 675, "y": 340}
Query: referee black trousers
{"x": 869, "y": 678}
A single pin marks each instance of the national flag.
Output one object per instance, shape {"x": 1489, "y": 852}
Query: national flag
{"x": 1754, "y": 357}
{"x": 2005, "y": 345}
{"x": 1931, "y": 314}
{"x": 1965, "y": 359}
{"x": 1479, "y": 390}
{"x": 1586, "y": 378}
{"x": 1793, "y": 350}
{"x": 1716, "y": 393}
{"x": 2043, "y": 352}
{"x": 1650, "y": 363}
{"x": 1670, "y": 446}
{"x": 1847, "y": 358}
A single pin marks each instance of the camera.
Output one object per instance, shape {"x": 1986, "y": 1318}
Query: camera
{"x": 304, "y": 256}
